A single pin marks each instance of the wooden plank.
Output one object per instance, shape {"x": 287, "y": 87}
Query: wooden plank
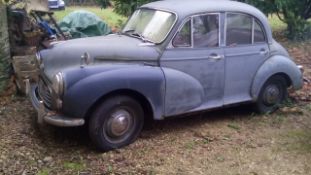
{"x": 4, "y": 49}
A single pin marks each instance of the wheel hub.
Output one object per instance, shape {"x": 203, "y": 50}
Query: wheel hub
{"x": 119, "y": 123}
{"x": 271, "y": 95}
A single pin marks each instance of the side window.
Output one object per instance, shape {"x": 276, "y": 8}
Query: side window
{"x": 259, "y": 35}
{"x": 239, "y": 29}
{"x": 206, "y": 31}
{"x": 183, "y": 38}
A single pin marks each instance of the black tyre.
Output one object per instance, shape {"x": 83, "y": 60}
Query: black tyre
{"x": 117, "y": 122}
{"x": 272, "y": 95}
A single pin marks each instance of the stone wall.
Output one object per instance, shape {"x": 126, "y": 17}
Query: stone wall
{"x": 4, "y": 49}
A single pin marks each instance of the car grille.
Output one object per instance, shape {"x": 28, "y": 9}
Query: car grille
{"x": 45, "y": 93}
{"x": 53, "y": 3}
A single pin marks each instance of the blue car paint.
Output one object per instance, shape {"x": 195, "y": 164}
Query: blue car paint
{"x": 123, "y": 63}
{"x": 56, "y": 4}
{"x": 118, "y": 78}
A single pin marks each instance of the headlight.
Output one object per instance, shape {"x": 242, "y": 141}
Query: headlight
{"x": 58, "y": 84}
{"x": 39, "y": 60}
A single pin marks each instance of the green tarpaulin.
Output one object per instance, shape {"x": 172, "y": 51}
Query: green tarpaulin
{"x": 84, "y": 24}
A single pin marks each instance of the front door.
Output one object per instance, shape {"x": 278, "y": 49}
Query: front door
{"x": 194, "y": 67}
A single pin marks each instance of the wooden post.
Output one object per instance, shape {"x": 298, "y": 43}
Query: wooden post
{"x": 4, "y": 49}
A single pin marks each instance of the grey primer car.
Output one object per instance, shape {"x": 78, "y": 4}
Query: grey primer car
{"x": 172, "y": 58}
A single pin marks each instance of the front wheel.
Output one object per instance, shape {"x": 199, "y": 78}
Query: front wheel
{"x": 272, "y": 95}
{"x": 117, "y": 122}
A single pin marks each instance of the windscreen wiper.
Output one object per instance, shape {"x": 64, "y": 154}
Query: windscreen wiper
{"x": 137, "y": 35}
{"x": 142, "y": 37}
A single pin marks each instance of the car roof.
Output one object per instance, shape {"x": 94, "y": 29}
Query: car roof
{"x": 185, "y": 8}
{"x": 188, "y": 7}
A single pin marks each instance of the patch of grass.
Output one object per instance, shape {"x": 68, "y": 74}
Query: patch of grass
{"x": 278, "y": 119}
{"x": 110, "y": 17}
{"x": 207, "y": 140}
{"x": 110, "y": 169}
{"x": 44, "y": 172}
{"x": 288, "y": 103}
{"x": 190, "y": 145}
{"x": 220, "y": 158}
{"x": 74, "y": 166}
{"x": 299, "y": 140}
{"x": 308, "y": 107}
{"x": 227, "y": 137}
{"x": 234, "y": 126}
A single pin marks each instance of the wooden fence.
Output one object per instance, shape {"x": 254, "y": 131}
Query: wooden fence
{"x": 4, "y": 49}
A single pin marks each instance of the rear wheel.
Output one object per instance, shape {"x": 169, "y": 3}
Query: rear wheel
{"x": 272, "y": 95}
{"x": 117, "y": 122}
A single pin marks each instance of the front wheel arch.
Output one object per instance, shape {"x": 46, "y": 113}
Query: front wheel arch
{"x": 144, "y": 102}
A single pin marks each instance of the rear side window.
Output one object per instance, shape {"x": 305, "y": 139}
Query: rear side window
{"x": 259, "y": 35}
{"x": 243, "y": 29}
{"x": 239, "y": 29}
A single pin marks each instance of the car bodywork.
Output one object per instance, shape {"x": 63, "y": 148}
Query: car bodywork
{"x": 56, "y": 4}
{"x": 169, "y": 81}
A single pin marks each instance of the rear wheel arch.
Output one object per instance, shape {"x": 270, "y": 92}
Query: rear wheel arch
{"x": 272, "y": 94}
{"x": 285, "y": 76}
{"x": 257, "y": 87}
{"x": 276, "y": 65}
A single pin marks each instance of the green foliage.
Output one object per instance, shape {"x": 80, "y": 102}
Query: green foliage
{"x": 104, "y": 3}
{"x": 294, "y": 13}
{"x": 74, "y": 166}
{"x": 127, "y": 7}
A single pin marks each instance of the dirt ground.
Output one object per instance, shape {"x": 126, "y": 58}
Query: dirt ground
{"x": 232, "y": 141}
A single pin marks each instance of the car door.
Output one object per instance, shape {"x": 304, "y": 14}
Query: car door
{"x": 193, "y": 66}
{"x": 246, "y": 49}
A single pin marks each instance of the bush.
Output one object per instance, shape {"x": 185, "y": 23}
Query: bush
{"x": 292, "y": 12}
{"x": 127, "y": 7}
{"x": 104, "y": 3}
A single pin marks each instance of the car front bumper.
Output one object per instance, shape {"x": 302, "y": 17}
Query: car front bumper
{"x": 47, "y": 116}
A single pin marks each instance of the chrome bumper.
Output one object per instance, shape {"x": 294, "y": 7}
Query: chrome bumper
{"x": 47, "y": 116}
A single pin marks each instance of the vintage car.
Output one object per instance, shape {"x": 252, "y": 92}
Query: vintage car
{"x": 172, "y": 58}
{"x": 57, "y": 4}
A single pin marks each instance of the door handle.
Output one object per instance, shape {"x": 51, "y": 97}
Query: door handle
{"x": 263, "y": 52}
{"x": 216, "y": 57}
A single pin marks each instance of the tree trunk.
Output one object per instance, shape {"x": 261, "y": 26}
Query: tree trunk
{"x": 4, "y": 50}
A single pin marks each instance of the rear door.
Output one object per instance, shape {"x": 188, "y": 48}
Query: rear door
{"x": 246, "y": 49}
